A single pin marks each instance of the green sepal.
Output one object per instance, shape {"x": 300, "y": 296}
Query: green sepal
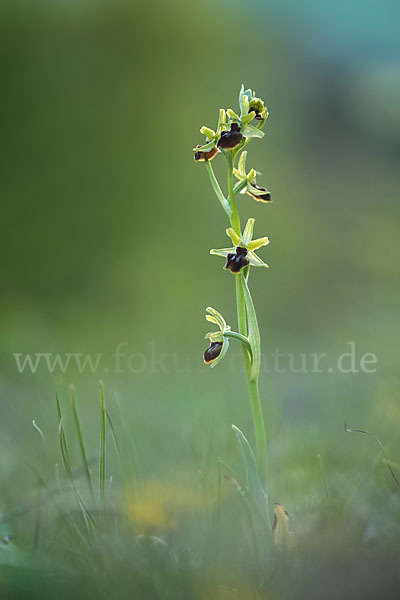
{"x": 234, "y": 236}
{"x": 256, "y": 261}
{"x": 206, "y": 147}
{"x": 249, "y": 131}
{"x": 242, "y": 165}
{"x": 247, "y": 118}
{"x": 255, "y": 191}
{"x": 221, "y": 251}
{"x": 224, "y": 350}
{"x": 247, "y": 235}
{"x": 258, "y": 243}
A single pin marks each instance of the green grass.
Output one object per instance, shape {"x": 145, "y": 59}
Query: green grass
{"x": 199, "y": 533}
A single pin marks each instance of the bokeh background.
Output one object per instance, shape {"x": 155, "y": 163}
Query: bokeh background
{"x": 107, "y": 222}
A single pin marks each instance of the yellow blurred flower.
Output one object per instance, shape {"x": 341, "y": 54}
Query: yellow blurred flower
{"x": 157, "y": 504}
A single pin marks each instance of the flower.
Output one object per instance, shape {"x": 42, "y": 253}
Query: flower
{"x": 230, "y": 139}
{"x": 242, "y": 254}
{"x": 219, "y": 344}
{"x": 201, "y": 156}
{"x": 261, "y": 194}
{"x": 210, "y": 148}
{"x": 250, "y": 108}
{"x": 257, "y": 105}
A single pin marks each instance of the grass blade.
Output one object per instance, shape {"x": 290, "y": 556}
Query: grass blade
{"x": 80, "y": 438}
{"x": 102, "y": 462}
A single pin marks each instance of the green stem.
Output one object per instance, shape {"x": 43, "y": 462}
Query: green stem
{"x": 239, "y": 337}
{"x": 252, "y": 383}
{"x": 217, "y": 189}
{"x": 235, "y": 219}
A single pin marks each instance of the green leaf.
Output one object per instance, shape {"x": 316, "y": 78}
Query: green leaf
{"x": 253, "y": 481}
{"x": 253, "y": 330}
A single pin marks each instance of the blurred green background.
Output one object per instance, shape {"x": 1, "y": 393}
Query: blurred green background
{"x": 107, "y": 222}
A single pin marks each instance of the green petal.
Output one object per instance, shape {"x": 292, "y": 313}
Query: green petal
{"x": 248, "y": 231}
{"x": 217, "y": 316}
{"x": 256, "y": 244}
{"x": 221, "y": 120}
{"x": 241, "y": 92}
{"x": 252, "y": 175}
{"x": 232, "y": 115}
{"x": 210, "y": 133}
{"x": 234, "y": 236}
{"x": 211, "y": 319}
{"x": 244, "y": 109}
{"x": 238, "y": 175}
{"x": 256, "y": 261}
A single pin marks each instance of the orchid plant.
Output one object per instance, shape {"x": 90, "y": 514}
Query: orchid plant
{"x": 233, "y": 133}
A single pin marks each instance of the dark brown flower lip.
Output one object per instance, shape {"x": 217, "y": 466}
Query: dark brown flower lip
{"x": 202, "y": 156}
{"x": 266, "y": 197}
{"x": 238, "y": 260}
{"x": 212, "y": 352}
{"x": 230, "y": 139}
